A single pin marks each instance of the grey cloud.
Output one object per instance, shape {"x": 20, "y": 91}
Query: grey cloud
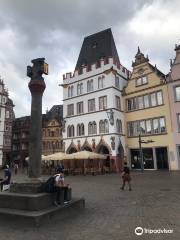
{"x": 55, "y": 29}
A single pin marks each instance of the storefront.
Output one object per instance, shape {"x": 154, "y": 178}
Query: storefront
{"x": 153, "y": 158}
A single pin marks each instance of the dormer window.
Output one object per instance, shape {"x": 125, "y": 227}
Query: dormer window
{"x": 141, "y": 81}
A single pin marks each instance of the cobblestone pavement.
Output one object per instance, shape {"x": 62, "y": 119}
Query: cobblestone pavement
{"x": 111, "y": 213}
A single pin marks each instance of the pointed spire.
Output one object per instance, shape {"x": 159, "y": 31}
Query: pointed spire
{"x": 140, "y": 58}
{"x": 171, "y": 63}
{"x": 139, "y": 51}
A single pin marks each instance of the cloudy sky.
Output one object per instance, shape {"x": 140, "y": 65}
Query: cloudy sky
{"x": 55, "y": 29}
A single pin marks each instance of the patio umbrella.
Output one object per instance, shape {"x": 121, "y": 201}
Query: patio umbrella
{"x": 55, "y": 157}
{"x": 85, "y": 155}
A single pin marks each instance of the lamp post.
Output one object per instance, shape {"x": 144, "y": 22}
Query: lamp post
{"x": 141, "y": 151}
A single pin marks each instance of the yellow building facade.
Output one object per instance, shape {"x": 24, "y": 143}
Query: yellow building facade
{"x": 147, "y": 118}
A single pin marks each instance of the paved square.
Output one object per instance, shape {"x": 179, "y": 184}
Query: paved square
{"x": 111, "y": 213}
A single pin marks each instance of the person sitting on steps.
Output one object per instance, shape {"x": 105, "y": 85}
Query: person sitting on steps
{"x": 60, "y": 186}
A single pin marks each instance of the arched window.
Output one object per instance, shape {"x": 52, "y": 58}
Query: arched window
{"x": 68, "y": 131}
{"x": 101, "y": 127}
{"x": 94, "y": 128}
{"x": 90, "y": 126}
{"x": 80, "y": 129}
{"x": 106, "y": 126}
{"x": 72, "y": 131}
{"x": 119, "y": 126}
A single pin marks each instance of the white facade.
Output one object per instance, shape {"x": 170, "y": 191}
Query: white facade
{"x": 107, "y": 81}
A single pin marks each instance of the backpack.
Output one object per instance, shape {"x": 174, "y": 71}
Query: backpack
{"x": 49, "y": 185}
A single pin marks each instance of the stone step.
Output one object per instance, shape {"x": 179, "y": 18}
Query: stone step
{"x": 30, "y": 201}
{"x": 40, "y": 216}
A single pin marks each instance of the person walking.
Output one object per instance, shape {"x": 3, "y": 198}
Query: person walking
{"x": 126, "y": 177}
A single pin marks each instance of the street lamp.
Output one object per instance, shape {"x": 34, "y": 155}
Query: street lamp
{"x": 141, "y": 151}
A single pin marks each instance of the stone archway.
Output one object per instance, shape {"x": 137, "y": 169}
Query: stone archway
{"x": 72, "y": 148}
{"x": 104, "y": 148}
{"x": 86, "y": 146}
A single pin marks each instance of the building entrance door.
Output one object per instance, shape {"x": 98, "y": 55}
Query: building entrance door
{"x": 162, "y": 158}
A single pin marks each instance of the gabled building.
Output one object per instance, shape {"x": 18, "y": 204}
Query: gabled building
{"x": 148, "y": 117}
{"x": 51, "y": 134}
{"x": 52, "y": 130}
{"x": 173, "y": 80}
{"x": 92, "y": 96}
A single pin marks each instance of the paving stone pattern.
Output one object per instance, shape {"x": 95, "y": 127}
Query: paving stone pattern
{"x": 111, "y": 213}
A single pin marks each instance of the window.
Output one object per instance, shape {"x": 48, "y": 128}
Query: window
{"x": 92, "y": 128}
{"x": 147, "y": 127}
{"x": 102, "y": 103}
{"x": 70, "y": 91}
{"x": 79, "y": 88}
{"x": 140, "y": 102}
{"x": 142, "y": 127}
{"x": 90, "y": 85}
{"x": 155, "y": 126}
{"x": 7, "y": 114}
{"x": 162, "y": 125}
{"x": 101, "y": 82}
{"x": 146, "y": 101}
{"x": 153, "y": 99}
{"x": 177, "y": 93}
{"x": 119, "y": 126}
{"x": 103, "y": 126}
{"x": 91, "y": 105}
{"x": 141, "y": 81}
{"x": 79, "y": 107}
{"x": 178, "y": 121}
{"x": 118, "y": 102}
{"x": 70, "y": 109}
{"x": 131, "y": 104}
{"x": 117, "y": 83}
{"x": 80, "y": 129}
{"x": 70, "y": 131}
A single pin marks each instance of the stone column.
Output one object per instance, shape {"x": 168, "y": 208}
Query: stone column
{"x": 37, "y": 87}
